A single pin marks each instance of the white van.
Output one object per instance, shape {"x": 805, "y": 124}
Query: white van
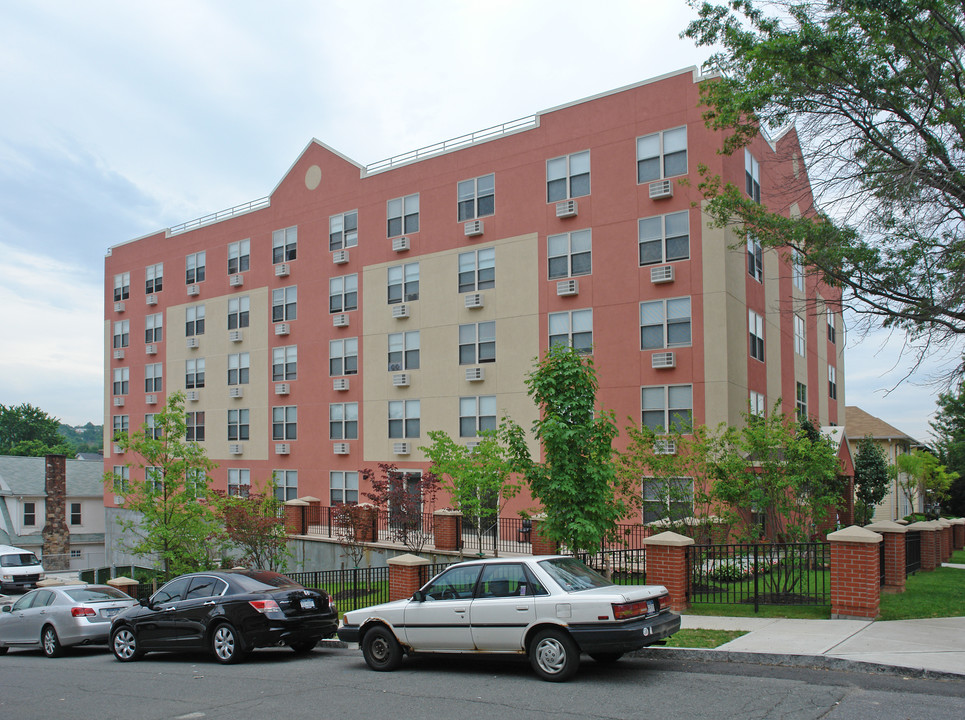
{"x": 19, "y": 569}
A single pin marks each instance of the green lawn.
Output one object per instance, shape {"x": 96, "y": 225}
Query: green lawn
{"x": 799, "y": 612}
{"x": 707, "y": 639}
{"x": 939, "y": 593}
{"x": 958, "y": 557}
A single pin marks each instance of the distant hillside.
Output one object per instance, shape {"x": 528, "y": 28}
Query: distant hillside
{"x": 84, "y": 438}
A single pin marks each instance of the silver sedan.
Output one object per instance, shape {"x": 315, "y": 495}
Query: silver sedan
{"x": 53, "y": 618}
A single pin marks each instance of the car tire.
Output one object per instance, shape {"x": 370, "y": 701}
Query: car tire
{"x": 381, "y": 650}
{"x": 606, "y": 658}
{"x": 303, "y": 648}
{"x": 3, "y": 650}
{"x": 553, "y": 655}
{"x": 226, "y": 645}
{"x": 50, "y": 643}
{"x": 125, "y": 645}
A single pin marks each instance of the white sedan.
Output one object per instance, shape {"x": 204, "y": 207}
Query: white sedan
{"x": 549, "y": 607}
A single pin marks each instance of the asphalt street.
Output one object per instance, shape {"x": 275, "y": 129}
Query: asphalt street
{"x": 335, "y": 683}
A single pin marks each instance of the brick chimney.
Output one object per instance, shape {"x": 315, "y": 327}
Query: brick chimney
{"x": 56, "y": 535}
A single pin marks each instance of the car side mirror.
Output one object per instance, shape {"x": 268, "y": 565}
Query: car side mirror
{"x": 145, "y": 602}
{"x": 7, "y": 608}
{"x": 418, "y": 596}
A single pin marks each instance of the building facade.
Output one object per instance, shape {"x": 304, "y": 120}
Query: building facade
{"x": 329, "y": 326}
{"x": 896, "y": 504}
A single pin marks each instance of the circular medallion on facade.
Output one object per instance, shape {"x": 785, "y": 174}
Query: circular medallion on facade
{"x": 313, "y": 176}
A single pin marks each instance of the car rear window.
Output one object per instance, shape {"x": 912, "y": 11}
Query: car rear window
{"x": 19, "y": 560}
{"x": 257, "y": 580}
{"x": 572, "y": 575}
{"x": 104, "y": 594}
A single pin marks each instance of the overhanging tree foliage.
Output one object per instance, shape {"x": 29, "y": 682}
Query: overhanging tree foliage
{"x": 253, "y": 523}
{"x": 26, "y": 430}
{"x": 875, "y": 88}
{"x": 922, "y": 475}
{"x": 949, "y": 429}
{"x": 871, "y": 478}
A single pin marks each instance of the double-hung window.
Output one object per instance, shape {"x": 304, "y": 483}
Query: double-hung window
{"x": 755, "y": 327}
{"x": 286, "y": 484}
{"x": 194, "y": 373}
{"x": 151, "y": 428}
{"x": 284, "y": 245}
{"x": 343, "y": 421}
{"x": 664, "y": 238}
{"x": 239, "y": 256}
{"x": 239, "y": 368}
{"x": 122, "y": 286}
{"x": 284, "y": 363}
{"x": 404, "y": 418}
{"x": 799, "y": 336}
{"x": 284, "y": 304}
{"x": 476, "y": 197}
{"x": 122, "y": 478}
{"x": 194, "y": 320}
{"x": 403, "y": 351}
{"x": 343, "y": 357}
{"x": 122, "y": 380}
{"x": 801, "y": 400}
{"x": 832, "y": 327}
{"x": 122, "y": 334}
{"x": 667, "y": 498}
{"x": 402, "y": 215}
{"x": 476, "y": 414}
{"x": 477, "y": 270}
{"x": 239, "y": 481}
{"x": 832, "y": 382}
{"x": 120, "y": 424}
{"x": 344, "y": 486}
{"x": 752, "y": 176}
{"x": 755, "y": 258}
{"x": 343, "y": 230}
{"x": 29, "y": 514}
{"x": 194, "y": 427}
{"x": 758, "y": 406}
{"x": 568, "y": 176}
{"x": 154, "y": 278}
{"x": 238, "y": 425}
{"x": 477, "y": 343}
{"x": 284, "y": 422}
{"x": 343, "y": 293}
{"x": 194, "y": 268}
{"x": 569, "y": 254}
{"x": 574, "y": 328}
{"x": 403, "y": 283}
{"x": 665, "y": 323}
{"x": 154, "y": 328}
{"x": 153, "y": 378}
{"x": 667, "y": 407}
{"x": 662, "y": 155}
{"x": 238, "y": 312}
{"x": 797, "y": 270}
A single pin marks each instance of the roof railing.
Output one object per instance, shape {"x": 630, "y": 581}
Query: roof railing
{"x": 221, "y": 215}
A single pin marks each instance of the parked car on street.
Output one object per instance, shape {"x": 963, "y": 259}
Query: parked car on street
{"x": 59, "y": 616}
{"x": 19, "y": 569}
{"x": 228, "y": 612}
{"x": 549, "y": 608}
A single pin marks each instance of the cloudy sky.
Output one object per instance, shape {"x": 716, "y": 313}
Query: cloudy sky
{"x": 122, "y": 118}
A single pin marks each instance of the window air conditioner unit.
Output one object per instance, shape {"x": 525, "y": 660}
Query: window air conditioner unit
{"x": 152, "y": 299}
{"x": 236, "y": 280}
{"x": 119, "y": 401}
{"x": 193, "y": 342}
{"x": 663, "y": 360}
{"x": 282, "y": 328}
{"x": 236, "y": 391}
{"x": 473, "y": 228}
{"x": 340, "y": 257}
{"x": 340, "y": 448}
{"x": 400, "y": 244}
{"x": 150, "y": 399}
{"x": 192, "y": 395}
{"x": 566, "y": 208}
{"x": 193, "y": 290}
{"x": 282, "y": 270}
{"x": 475, "y": 374}
{"x": 236, "y": 335}
{"x": 662, "y": 274}
{"x": 119, "y": 354}
{"x": 400, "y": 380}
{"x": 400, "y": 311}
{"x": 661, "y": 189}
{"x": 118, "y": 450}
{"x": 400, "y": 448}
{"x": 340, "y": 384}
{"x": 664, "y": 447}
{"x": 119, "y": 306}
{"x": 474, "y": 300}
{"x": 150, "y": 349}
{"x": 282, "y": 388}
{"x": 340, "y": 320}
{"x": 235, "y": 448}
{"x": 283, "y": 449}
{"x": 565, "y": 288}
{"x": 118, "y": 499}
{"x": 472, "y": 445}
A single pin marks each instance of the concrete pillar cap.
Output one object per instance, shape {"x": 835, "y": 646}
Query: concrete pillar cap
{"x": 448, "y": 511}
{"x": 296, "y": 503}
{"x": 854, "y": 534}
{"x": 670, "y": 539}
{"x": 886, "y": 526}
{"x": 310, "y": 499}
{"x": 407, "y": 560}
{"x": 923, "y": 525}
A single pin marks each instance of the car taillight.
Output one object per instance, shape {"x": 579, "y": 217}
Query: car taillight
{"x": 264, "y": 606}
{"x": 82, "y": 612}
{"x": 625, "y": 611}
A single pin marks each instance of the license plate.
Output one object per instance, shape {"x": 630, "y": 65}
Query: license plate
{"x": 110, "y": 612}
{"x": 649, "y": 606}
{"x": 308, "y": 603}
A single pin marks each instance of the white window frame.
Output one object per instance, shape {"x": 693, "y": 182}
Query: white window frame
{"x": 194, "y": 426}
{"x": 239, "y": 424}
{"x": 343, "y": 350}
{"x": 832, "y": 382}
{"x": 832, "y": 326}
{"x": 758, "y": 404}
{"x": 122, "y": 381}
{"x": 480, "y": 411}
{"x": 664, "y": 147}
{"x": 481, "y": 339}
{"x": 239, "y": 481}
{"x": 284, "y": 304}
{"x": 647, "y": 237}
{"x": 476, "y": 197}
{"x": 797, "y": 271}
{"x": 402, "y": 283}
{"x": 153, "y": 377}
{"x": 194, "y": 266}
{"x": 193, "y": 320}
{"x": 800, "y": 336}
{"x": 284, "y": 422}
{"x": 343, "y": 487}
{"x": 404, "y": 351}
{"x": 29, "y": 514}
{"x": 194, "y": 373}
{"x": 151, "y": 428}
{"x": 659, "y": 501}
{"x": 122, "y": 334}
{"x": 752, "y": 176}
{"x": 346, "y": 289}
{"x": 567, "y": 171}
{"x": 239, "y": 256}
{"x": 402, "y": 215}
{"x": 284, "y": 245}
{"x": 668, "y": 315}
{"x": 801, "y": 400}
{"x": 154, "y": 278}
{"x": 404, "y": 419}
{"x": 343, "y": 421}
{"x": 284, "y": 363}
{"x": 569, "y": 325}
{"x": 286, "y": 484}
{"x": 569, "y": 251}
{"x": 755, "y": 331}
{"x": 663, "y": 399}
{"x": 477, "y": 270}
{"x": 755, "y": 258}
{"x": 343, "y": 230}
{"x": 122, "y": 286}
{"x": 239, "y": 312}
{"x": 153, "y": 328}
{"x": 239, "y": 368}
{"x": 120, "y": 424}
{"x": 122, "y": 478}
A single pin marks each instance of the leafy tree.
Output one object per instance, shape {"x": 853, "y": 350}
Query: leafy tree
{"x": 29, "y": 431}
{"x": 871, "y": 478}
{"x": 479, "y": 480}
{"x": 173, "y": 520}
{"x": 921, "y": 474}
{"x": 949, "y": 429}
{"x": 253, "y": 523}
{"x": 404, "y": 497}
{"x": 875, "y": 90}
{"x": 352, "y": 529}
{"x": 577, "y": 484}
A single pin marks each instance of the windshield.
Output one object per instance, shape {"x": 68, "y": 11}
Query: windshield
{"x": 258, "y": 580}
{"x": 19, "y": 560}
{"x": 96, "y": 594}
{"x": 571, "y": 575}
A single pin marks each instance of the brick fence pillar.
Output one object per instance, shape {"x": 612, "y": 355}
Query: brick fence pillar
{"x": 958, "y": 533}
{"x": 929, "y": 544}
{"x": 948, "y": 540}
{"x": 405, "y": 576}
{"x": 541, "y": 545}
{"x": 855, "y": 574}
{"x": 667, "y": 566}
{"x": 893, "y": 537}
{"x": 445, "y": 529}
{"x": 296, "y": 520}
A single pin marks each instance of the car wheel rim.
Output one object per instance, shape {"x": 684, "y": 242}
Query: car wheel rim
{"x": 224, "y": 643}
{"x": 380, "y": 649}
{"x": 551, "y": 656}
{"x": 124, "y": 644}
{"x": 50, "y": 642}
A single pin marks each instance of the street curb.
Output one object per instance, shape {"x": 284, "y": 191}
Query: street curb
{"x": 819, "y": 662}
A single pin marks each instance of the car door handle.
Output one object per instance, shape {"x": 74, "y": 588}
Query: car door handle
{"x": 522, "y": 608}
{"x": 459, "y": 610}
{"x": 168, "y": 609}
{"x": 211, "y": 602}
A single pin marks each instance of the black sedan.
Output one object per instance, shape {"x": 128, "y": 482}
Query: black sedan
{"x": 227, "y": 612}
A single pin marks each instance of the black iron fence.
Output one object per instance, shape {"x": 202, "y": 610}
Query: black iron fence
{"x": 912, "y": 552}
{"x": 623, "y": 567}
{"x": 349, "y": 588}
{"x": 772, "y": 574}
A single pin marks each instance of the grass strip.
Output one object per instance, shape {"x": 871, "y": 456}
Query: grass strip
{"x": 705, "y": 639}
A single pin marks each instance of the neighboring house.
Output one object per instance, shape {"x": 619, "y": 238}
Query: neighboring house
{"x": 329, "y": 326}
{"x": 23, "y": 508}
{"x": 860, "y": 424}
